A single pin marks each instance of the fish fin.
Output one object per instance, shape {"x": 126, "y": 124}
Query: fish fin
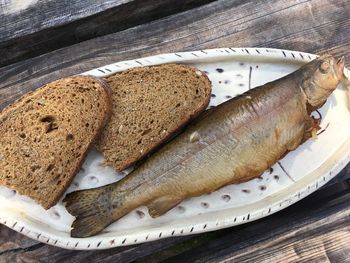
{"x": 92, "y": 210}
{"x": 162, "y": 204}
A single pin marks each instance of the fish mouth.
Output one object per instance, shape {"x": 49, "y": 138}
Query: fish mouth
{"x": 340, "y": 67}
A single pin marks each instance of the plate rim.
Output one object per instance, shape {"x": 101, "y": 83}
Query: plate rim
{"x": 311, "y": 182}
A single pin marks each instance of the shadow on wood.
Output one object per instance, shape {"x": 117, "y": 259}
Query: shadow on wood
{"x": 49, "y": 25}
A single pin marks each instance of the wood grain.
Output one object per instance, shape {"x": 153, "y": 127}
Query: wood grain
{"x": 320, "y": 221}
{"x": 311, "y": 26}
{"x": 44, "y": 26}
{"x": 29, "y": 16}
{"x": 316, "y": 235}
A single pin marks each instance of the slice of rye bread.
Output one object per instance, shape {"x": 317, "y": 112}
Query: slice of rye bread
{"x": 152, "y": 104}
{"x": 46, "y": 135}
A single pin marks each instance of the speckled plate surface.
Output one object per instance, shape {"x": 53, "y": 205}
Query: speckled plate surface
{"x": 232, "y": 72}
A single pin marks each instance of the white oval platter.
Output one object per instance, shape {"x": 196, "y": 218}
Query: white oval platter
{"x": 232, "y": 72}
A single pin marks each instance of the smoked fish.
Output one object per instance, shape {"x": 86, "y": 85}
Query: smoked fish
{"x": 232, "y": 143}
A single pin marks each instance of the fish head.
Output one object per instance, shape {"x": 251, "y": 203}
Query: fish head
{"x": 320, "y": 78}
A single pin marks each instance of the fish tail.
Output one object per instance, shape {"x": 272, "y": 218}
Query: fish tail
{"x": 92, "y": 209}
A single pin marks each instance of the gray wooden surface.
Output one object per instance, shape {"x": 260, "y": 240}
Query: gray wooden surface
{"x": 30, "y": 27}
{"x": 314, "y": 230}
{"x": 26, "y": 17}
{"x": 311, "y": 26}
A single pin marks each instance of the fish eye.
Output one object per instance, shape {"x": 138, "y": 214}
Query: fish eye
{"x": 324, "y": 67}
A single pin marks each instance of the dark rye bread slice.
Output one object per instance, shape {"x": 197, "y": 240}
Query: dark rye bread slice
{"x": 152, "y": 104}
{"x": 46, "y": 134}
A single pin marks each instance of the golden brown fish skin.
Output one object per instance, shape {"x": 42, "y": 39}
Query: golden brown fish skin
{"x": 234, "y": 143}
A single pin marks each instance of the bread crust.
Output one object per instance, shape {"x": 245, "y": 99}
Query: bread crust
{"x": 52, "y": 198}
{"x": 172, "y": 130}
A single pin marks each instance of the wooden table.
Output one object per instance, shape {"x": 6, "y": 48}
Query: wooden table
{"x": 44, "y": 40}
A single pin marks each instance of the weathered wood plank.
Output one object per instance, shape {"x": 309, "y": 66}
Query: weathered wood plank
{"x": 10, "y": 240}
{"x": 311, "y": 26}
{"x": 31, "y": 27}
{"x": 25, "y": 17}
{"x": 19, "y": 249}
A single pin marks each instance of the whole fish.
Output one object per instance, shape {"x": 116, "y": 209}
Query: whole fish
{"x": 233, "y": 143}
